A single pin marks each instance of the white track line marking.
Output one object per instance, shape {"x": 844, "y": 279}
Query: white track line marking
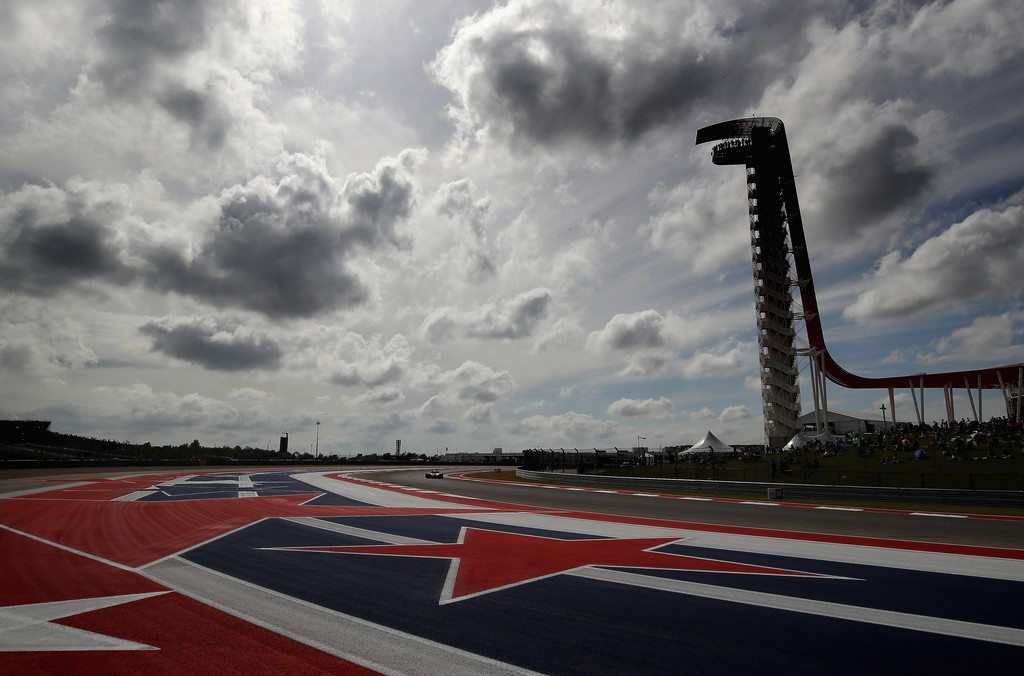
{"x": 887, "y": 618}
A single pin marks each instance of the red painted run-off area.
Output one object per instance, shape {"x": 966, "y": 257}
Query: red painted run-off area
{"x": 47, "y": 544}
{"x": 185, "y": 636}
{"x": 137, "y": 533}
{"x": 81, "y": 542}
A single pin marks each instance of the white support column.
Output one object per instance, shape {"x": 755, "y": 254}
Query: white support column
{"x": 913, "y": 397}
{"x": 1006, "y": 396}
{"x": 981, "y": 415}
{"x": 1020, "y": 391}
{"x": 920, "y": 419}
{"x": 970, "y": 396}
{"x": 813, "y": 362}
{"x": 824, "y": 398}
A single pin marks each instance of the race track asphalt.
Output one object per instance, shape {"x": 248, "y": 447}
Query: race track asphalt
{"x": 891, "y": 524}
{"x": 352, "y": 570}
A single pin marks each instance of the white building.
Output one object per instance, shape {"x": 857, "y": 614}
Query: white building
{"x": 842, "y": 422}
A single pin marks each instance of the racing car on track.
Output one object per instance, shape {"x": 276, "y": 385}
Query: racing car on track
{"x": 434, "y": 474}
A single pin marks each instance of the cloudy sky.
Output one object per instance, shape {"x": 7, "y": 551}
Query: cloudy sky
{"x": 474, "y": 225}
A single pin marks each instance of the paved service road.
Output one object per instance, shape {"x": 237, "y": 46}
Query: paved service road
{"x": 350, "y": 571}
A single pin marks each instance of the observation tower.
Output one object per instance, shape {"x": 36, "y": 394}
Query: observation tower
{"x": 760, "y": 144}
{"x": 781, "y": 263}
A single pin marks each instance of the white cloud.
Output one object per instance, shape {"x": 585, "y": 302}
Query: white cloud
{"x": 382, "y": 396}
{"x": 144, "y": 410}
{"x": 645, "y": 408}
{"x": 475, "y": 382}
{"x": 40, "y": 341}
{"x": 986, "y": 339}
{"x": 704, "y": 416}
{"x": 568, "y": 429}
{"x": 941, "y": 39}
{"x": 623, "y": 332}
{"x": 346, "y": 358}
{"x": 166, "y": 87}
{"x": 691, "y": 224}
{"x": 471, "y": 392}
{"x": 979, "y": 257}
{"x": 513, "y": 320}
{"x": 564, "y": 333}
{"x": 734, "y": 413}
{"x": 716, "y": 364}
{"x": 482, "y": 414}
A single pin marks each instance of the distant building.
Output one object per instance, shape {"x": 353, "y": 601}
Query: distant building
{"x": 840, "y": 422}
{"x": 495, "y": 457}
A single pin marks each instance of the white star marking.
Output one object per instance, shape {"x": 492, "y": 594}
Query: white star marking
{"x": 30, "y": 627}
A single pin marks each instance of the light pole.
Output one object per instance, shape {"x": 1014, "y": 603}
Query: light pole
{"x": 884, "y": 432}
{"x": 317, "y": 454}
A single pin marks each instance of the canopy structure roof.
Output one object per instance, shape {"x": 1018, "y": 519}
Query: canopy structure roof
{"x": 709, "y": 444}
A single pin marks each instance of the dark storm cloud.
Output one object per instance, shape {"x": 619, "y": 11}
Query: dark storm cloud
{"x": 263, "y": 257}
{"x": 545, "y": 101}
{"x": 41, "y": 258}
{"x": 541, "y": 73}
{"x": 283, "y": 254}
{"x": 139, "y": 34}
{"x": 661, "y": 91}
{"x": 218, "y": 347}
{"x": 879, "y": 179}
{"x": 571, "y": 94}
{"x": 282, "y": 250}
{"x": 378, "y": 203}
{"x": 143, "y": 47}
{"x": 209, "y": 122}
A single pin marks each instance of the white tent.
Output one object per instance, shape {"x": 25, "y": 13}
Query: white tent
{"x": 709, "y": 444}
{"x": 797, "y": 441}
